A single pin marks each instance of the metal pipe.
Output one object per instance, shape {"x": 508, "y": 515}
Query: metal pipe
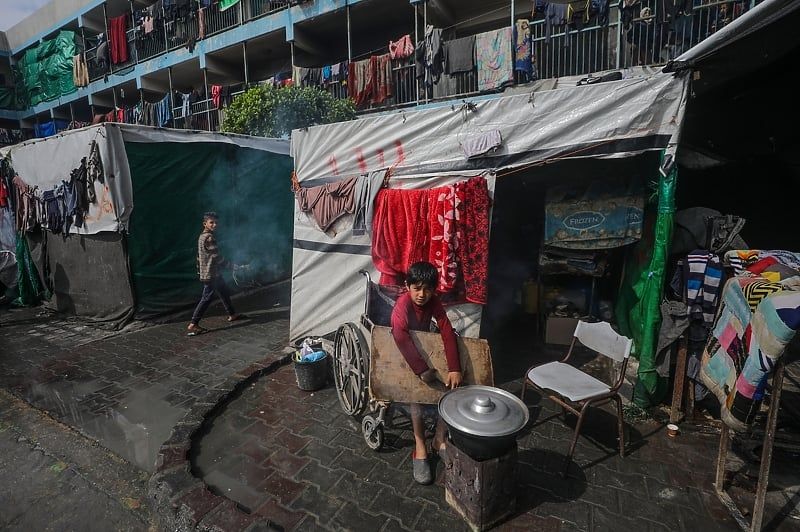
{"x": 108, "y": 46}
{"x": 416, "y": 43}
{"x": 425, "y": 31}
{"x": 171, "y": 94}
{"x": 244, "y": 55}
{"x": 349, "y": 40}
{"x": 208, "y": 107}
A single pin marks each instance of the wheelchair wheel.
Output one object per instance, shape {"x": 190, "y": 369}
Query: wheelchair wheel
{"x": 351, "y": 369}
{"x": 373, "y": 433}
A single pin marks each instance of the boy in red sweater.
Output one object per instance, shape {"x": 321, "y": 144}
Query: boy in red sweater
{"x": 414, "y": 310}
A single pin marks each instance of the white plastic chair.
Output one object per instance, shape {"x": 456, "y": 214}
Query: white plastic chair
{"x": 575, "y": 390}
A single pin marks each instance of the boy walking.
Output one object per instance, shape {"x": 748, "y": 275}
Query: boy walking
{"x": 414, "y": 310}
{"x": 209, "y": 265}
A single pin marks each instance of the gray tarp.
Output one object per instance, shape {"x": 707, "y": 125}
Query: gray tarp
{"x": 423, "y": 148}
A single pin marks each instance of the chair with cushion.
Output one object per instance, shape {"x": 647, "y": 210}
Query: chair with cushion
{"x": 575, "y": 390}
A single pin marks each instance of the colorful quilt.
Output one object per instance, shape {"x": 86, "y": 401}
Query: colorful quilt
{"x": 755, "y": 323}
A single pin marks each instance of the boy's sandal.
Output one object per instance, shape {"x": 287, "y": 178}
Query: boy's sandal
{"x": 236, "y": 317}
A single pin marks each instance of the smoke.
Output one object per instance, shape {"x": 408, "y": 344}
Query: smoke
{"x": 249, "y": 189}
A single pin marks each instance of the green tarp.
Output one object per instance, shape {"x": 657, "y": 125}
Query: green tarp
{"x": 173, "y": 185}
{"x": 637, "y": 309}
{"x": 46, "y": 69}
{"x": 225, "y": 4}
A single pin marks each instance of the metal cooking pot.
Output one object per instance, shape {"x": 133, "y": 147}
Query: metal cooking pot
{"x": 484, "y": 421}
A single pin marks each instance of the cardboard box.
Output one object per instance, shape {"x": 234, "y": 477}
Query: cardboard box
{"x": 559, "y": 330}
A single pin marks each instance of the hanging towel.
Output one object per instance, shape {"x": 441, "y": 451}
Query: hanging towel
{"x": 327, "y": 203}
{"x": 118, "y": 39}
{"x": 459, "y": 55}
{"x": 473, "y": 248}
{"x": 80, "y": 73}
{"x": 399, "y": 236}
{"x": 493, "y": 50}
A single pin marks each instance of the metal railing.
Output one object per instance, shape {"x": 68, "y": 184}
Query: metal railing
{"x": 202, "y": 115}
{"x": 258, "y": 8}
{"x": 217, "y": 21}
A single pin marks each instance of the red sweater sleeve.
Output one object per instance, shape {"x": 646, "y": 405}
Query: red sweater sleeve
{"x": 401, "y": 337}
{"x": 448, "y": 336}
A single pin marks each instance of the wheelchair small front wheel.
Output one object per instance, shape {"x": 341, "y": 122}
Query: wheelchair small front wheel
{"x": 373, "y": 433}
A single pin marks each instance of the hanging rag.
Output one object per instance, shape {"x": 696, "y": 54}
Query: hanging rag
{"x": 216, "y": 95}
{"x": 367, "y": 188}
{"x": 703, "y": 281}
{"x": 201, "y": 23}
{"x": 402, "y": 48}
{"x": 492, "y": 50}
{"x": 118, "y": 39}
{"x": 80, "y": 73}
{"x": 483, "y": 144}
{"x": 459, "y": 55}
{"x": 327, "y": 203}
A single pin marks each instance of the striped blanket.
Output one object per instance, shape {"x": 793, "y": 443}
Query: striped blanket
{"x": 755, "y": 323}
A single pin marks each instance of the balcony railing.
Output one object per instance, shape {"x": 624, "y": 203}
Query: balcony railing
{"x": 202, "y": 115}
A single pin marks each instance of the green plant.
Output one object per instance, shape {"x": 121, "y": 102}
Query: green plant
{"x": 268, "y": 111}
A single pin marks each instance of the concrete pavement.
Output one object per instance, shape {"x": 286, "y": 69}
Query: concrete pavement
{"x": 228, "y": 441}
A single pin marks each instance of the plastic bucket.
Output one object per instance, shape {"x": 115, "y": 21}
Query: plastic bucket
{"x": 311, "y": 375}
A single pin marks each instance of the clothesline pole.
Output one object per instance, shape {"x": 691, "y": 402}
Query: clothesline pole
{"x": 208, "y": 107}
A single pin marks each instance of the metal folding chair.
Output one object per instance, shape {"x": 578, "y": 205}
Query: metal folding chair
{"x": 575, "y": 390}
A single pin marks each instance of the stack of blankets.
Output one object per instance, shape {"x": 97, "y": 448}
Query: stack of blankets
{"x": 757, "y": 319}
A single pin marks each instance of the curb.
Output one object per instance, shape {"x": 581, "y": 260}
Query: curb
{"x": 181, "y": 501}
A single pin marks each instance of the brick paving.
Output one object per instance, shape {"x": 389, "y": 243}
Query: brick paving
{"x": 128, "y": 390}
{"x": 272, "y": 454}
{"x": 295, "y": 458}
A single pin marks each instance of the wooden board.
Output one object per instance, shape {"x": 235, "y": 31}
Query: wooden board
{"x": 391, "y": 378}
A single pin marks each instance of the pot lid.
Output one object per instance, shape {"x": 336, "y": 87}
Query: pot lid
{"x": 483, "y": 411}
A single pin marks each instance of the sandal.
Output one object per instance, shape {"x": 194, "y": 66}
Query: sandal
{"x": 237, "y": 317}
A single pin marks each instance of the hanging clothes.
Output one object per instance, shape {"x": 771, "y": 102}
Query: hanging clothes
{"x": 430, "y": 57}
{"x": 492, "y": 50}
{"x": 367, "y": 188}
{"x": 54, "y": 215}
{"x": 216, "y": 95}
{"x": 402, "y": 48}
{"x": 118, "y": 39}
{"x": 446, "y": 226}
{"x": 80, "y": 73}
{"x": 523, "y": 63}
{"x": 201, "y": 23}
{"x": 327, "y": 203}
{"x": 459, "y": 55}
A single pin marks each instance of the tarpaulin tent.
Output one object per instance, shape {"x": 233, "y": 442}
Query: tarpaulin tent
{"x": 46, "y": 69}
{"x": 137, "y": 251}
{"x": 425, "y": 148}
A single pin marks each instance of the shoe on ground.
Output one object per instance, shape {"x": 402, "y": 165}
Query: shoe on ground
{"x": 422, "y": 471}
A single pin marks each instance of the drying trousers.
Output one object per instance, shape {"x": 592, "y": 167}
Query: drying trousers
{"x": 216, "y": 285}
